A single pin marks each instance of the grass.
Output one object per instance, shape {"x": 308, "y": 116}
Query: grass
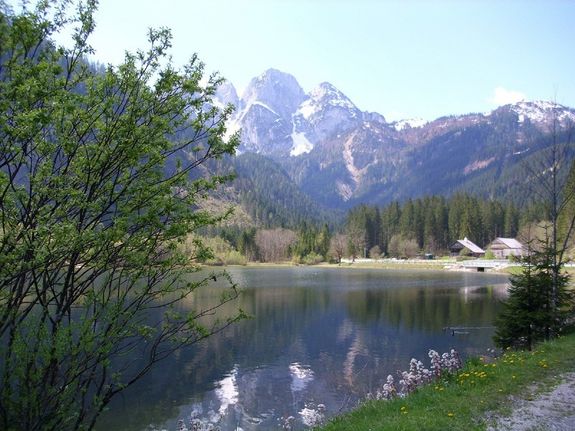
{"x": 463, "y": 401}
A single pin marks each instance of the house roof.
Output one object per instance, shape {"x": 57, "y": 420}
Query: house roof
{"x": 509, "y": 242}
{"x": 474, "y": 248}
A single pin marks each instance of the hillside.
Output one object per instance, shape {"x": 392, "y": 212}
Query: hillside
{"x": 337, "y": 156}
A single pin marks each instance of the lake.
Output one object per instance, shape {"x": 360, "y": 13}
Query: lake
{"x": 318, "y": 336}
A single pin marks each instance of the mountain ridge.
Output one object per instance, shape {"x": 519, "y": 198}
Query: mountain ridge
{"x": 339, "y": 155}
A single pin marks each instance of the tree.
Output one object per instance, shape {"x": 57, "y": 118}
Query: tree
{"x": 538, "y": 298}
{"x": 550, "y": 183}
{"x": 274, "y": 244}
{"x": 356, "y": 244}
{"x": 530, "y": 314}
{"x": 375, "y": 252}
{"x": 400, "y": 246}
{"x": 99, "y": 177}
{"x": 337, "y": 246}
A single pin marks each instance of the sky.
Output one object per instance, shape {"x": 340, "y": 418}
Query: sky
{"x": 403, "y": 59}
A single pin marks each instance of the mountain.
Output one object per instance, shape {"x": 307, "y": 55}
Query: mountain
{"x": 340, "y": 156}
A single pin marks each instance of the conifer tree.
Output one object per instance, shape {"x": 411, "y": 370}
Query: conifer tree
{"x": 530, "y": 314}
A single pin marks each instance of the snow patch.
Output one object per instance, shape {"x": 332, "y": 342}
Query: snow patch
{"x": 257, "y": 102}
{"x": 409, "y": 123}
{"x": 301, "y": 145}
{"x": 308, "y": 108}
{"x": 542, "y": 111}
{"x": 517, "y": 153}
{"x": 325, "y": 95}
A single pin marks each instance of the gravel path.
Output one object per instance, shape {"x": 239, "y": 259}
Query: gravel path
{"x": 550, "y": 411}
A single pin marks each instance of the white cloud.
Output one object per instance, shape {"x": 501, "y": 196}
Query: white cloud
{"x": 503, "y": 96}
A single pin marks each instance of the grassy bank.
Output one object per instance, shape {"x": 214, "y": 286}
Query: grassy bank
{"x": 463, "y": 401}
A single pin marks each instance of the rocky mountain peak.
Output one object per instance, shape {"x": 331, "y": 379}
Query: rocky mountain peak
{"x": 539, "y": 113}
{"x": 279, "y": 91}
{"x": 543, "y": 112}
{"x": 326, "y": 94}
{"x": 227, "y": 94}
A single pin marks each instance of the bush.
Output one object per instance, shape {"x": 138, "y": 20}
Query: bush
{"x": 311, "y": 259}
{"x": 489, "y": 255}
{"x": 375, "y": 252}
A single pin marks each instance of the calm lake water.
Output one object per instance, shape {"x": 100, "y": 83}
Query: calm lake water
{"x": 318, "y": 335}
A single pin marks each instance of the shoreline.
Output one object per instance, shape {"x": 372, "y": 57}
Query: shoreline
{"x": 396, "y": 265}
{"x": 515, "y": 389}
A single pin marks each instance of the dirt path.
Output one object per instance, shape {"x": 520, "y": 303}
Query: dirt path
{"x": 548, "y": 411}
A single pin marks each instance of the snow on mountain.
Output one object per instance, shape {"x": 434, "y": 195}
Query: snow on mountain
{"x": 301, "y": 145}
{"x": 542, "y": 112}
{"x": 300, "y": 142}
{"x": 308, "y": 108}
{"x": 278, "y": 91}
{"x": 408, "y": 123}
{"x": 326, "y": 94}
{"x": 278, "y": 119}
{"x": 338, "y": 154}
{"x": 226, "y": 94}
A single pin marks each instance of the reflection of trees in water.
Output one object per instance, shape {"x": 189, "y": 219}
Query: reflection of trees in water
{"x": 349, "y": 339}
{"x": 280, "y": 317}
{"x": 425, "y": 309}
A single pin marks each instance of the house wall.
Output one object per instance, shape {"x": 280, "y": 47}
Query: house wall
{"x": 504, "y": 253}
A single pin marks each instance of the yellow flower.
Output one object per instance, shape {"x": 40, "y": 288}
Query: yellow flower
{"x": 450, "y": 414}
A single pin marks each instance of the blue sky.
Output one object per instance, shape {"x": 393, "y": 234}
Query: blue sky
{"x": 403, "y": 59}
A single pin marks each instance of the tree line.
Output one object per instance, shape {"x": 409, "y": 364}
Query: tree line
{"x": 430, "y": 224}
{"x": 424, "y": 225}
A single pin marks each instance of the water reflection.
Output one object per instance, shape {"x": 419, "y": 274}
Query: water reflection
{"x": 300, "y": 377}
{"x": 324, "y": 336}
{"x": 227, "y": 391}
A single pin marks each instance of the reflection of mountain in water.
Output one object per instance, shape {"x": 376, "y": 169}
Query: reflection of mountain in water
{"x": 317, "y": 336}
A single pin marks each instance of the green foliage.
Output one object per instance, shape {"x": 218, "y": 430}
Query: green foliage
{"x": 468, "y": 400}
{"x": 311, "y": 259}
{"x": 271, "y": 198}
{"x": 489, "y": 255}
{"x": 222, "y": 253}
{"x": 311, "y": 240}
{"x": 96, "y": 199}
{"x": 530, "y": 314}
{"x": 433, "y": 223}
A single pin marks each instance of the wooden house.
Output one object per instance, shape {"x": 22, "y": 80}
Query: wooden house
{"x": 460, "y": 244}
{"x": 502, "y": 248}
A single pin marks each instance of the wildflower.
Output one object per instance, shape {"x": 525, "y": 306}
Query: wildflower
{"x": 450, "y": 414}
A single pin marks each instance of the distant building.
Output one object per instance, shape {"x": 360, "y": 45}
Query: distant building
{"x": 460, "y": 244}
{"x": 502, "y": 248}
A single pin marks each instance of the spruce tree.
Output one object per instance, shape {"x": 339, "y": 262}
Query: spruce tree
{"x": 529, "y": 313}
